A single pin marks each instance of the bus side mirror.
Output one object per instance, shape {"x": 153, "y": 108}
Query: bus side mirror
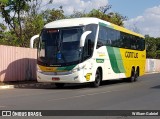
{"x": 83, "y": 38}
{"x": 32, "y": 40}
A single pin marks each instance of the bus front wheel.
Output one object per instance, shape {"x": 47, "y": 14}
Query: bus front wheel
{"x": 98, "y": 78}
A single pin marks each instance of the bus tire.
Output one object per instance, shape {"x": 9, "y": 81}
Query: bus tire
{"x": 98, "y": 78}
{"x": 136, "y": 75}
{"x": 132, "y": 77}
{"x": 59, "y": 85}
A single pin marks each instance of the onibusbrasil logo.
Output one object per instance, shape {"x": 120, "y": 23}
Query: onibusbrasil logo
{"x": 21, "y": 113}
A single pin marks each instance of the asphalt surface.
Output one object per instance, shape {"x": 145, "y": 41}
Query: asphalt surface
{"x": 112, "y": 95}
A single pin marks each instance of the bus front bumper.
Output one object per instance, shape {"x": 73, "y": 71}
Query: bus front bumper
{"x": 76, "y": 77}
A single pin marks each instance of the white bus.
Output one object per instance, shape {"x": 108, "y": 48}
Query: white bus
{"x": 88, "y": 50}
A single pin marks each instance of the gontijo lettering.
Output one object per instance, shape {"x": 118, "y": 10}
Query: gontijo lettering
{"x": 131, "y": 54}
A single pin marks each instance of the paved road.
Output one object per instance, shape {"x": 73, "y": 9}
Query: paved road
{"x": 112, "y": 95}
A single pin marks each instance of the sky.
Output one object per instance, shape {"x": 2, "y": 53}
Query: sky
{"x": 143, "y": 15}
{"x": 132, "y": 8}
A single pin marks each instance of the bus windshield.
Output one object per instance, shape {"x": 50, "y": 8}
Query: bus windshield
{"x": 59, "y": 47}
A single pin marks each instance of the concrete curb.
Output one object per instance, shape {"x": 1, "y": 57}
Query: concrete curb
{"x": 33, "y": 85}
{"x": 151, "y": 73}
{"x": 7, "y": 87}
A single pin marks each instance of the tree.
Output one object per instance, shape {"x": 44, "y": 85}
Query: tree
{"x": 97, "y": 14}
{"x": 32, "y": 26}
{"x": 77, "y": 14}
{"x": 2, "y": 30}
{"x": 6, "y": 37}
{"x": 33, "y": 21}
{"x": 12, "y": 12}
{"x": 151, "y": 47}
{"x": 23, "y": 21}
{"x": 53, "y": 14}
{"x": 116, "y": 18}
{"x": 157, "y": 40}
{"x": 102, "y": 13}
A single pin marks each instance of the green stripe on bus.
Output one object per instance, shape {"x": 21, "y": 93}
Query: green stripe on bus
{"x": 67, "y": 68}
{"x": 119, "y": 60}
{"x": 61, "y": 68}
{"x": 115, "y": 60}
{"x": 106, "y": 25}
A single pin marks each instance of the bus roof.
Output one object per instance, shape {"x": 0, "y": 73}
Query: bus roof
{"x": 85, "y": 21}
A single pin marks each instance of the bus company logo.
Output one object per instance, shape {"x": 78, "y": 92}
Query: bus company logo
{"x": 100, "y": 60}
{"x": 131, "y": 54}
{"x": 6, "y": 113}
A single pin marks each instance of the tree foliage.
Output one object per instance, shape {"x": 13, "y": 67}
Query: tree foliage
{"x": 78, "y": 14}
{"x": 12, "y": 11}
{"x": 32, "y": 26}
{"x": 152, "y": 47}
{"x": 53, "y": 14}
{"x": 102, "y": 13}
{"x": 21, "y": 19}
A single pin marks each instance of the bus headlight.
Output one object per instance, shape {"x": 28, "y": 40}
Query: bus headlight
{"x": 77, "y": 69}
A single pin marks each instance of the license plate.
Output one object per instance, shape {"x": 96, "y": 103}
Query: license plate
{"x": 55, "y": 79}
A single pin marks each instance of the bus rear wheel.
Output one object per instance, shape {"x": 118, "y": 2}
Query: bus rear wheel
{"x": 59, "y": 85}
{"x": 136, "y": 75}
{"x": 98, "y": 78}
{"x": 132, "y": 78}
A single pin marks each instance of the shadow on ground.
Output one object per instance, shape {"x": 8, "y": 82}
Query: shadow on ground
{"x": 156, "y": 87}
{"x": 36, "y": 85}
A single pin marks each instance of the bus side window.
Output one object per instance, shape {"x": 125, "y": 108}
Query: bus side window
{"x": 141, "y": 44}
{"x": 102, "y": 37}
{"x": 132, "y": 42}
{"x": 99, "y": 44}
{"x": 109, "y": 37}
{"x": 109, "y": 42}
